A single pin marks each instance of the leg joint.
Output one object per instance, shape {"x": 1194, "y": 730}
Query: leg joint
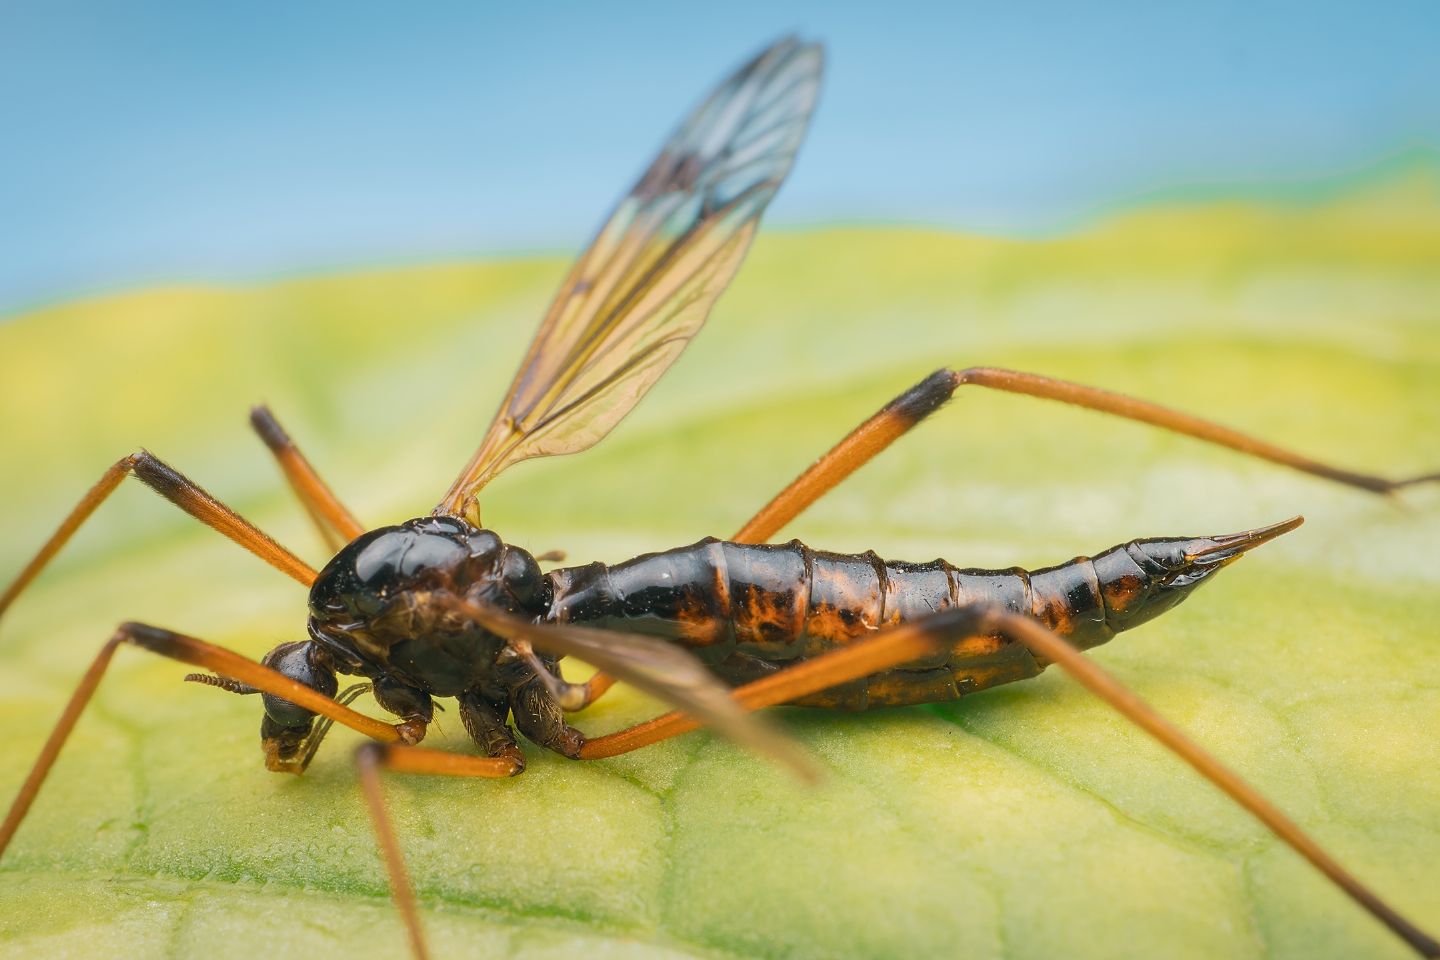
{"x": 372, "y": 753}
{"x": 269, "y": 429}
{"x": 154, "y": 639}
{"x": 977, "y": 375}
{"x": 925, "y": 397}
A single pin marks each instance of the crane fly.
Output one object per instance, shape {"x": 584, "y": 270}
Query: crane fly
{"x": 440, "y": 606}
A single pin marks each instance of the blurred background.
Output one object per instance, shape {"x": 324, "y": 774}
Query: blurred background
{"x": 154, "y": 141}
{"x": 356, "y": 212}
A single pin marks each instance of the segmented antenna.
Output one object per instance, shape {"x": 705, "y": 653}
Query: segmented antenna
{"x": 224, "y": 683}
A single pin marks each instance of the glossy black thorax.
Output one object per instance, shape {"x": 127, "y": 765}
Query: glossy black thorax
{"x": 378, "y": 607}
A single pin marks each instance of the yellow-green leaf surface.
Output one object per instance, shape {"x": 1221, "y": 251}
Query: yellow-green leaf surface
{"x": 1026, "y": 822}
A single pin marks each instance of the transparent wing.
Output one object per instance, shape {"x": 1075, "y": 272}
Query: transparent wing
{"x": 644, "y": 287}
{"x": 661, "y": 669}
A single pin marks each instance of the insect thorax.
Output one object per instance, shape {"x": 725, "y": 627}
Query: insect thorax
{"x": 376, "y": 608}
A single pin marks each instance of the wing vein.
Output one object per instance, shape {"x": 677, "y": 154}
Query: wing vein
{"x": 645, "y": 285}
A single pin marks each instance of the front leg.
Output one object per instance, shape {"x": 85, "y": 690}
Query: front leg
{"x": 179, "y": 490}
{"x": 242, "y": 675}
{"x": 484, "y": 720}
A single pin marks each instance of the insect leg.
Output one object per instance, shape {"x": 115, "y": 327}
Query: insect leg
{"x": 1050, "y": 646}
{"x": 370, "y": 759}
{"x": 594, "y": 689}
{"x": 885, "y": 649}
{"x": 900, "y": 644}
{"x": 898, "y": 416}
{"x": 570, "y": 697}
{"x": 337, "y": 525}
{"x": 179, "y": 490}
{"x": 574, "y": 697}
{"x": 190, "y": 650}
{"x": 649, "y": 663}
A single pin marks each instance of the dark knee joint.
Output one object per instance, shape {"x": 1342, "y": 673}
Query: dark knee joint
{"x": 927, "y": 396}
{"x": 264, "y": 423}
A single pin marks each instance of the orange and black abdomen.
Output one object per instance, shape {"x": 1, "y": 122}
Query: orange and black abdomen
{"x": 748, "y": 610}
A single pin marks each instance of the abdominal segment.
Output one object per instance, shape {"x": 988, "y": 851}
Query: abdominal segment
{"x": 749, "y": 610}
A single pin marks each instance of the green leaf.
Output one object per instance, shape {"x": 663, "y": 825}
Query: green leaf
{"x": 1026, "y": 822}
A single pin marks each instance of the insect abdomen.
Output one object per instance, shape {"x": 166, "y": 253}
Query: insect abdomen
{"x": 748, "y": 610}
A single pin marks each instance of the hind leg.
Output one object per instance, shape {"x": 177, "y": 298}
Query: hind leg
{"x": 900, "y": 415}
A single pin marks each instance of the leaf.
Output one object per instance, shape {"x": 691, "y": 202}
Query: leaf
{"x": 1026, "y": 822}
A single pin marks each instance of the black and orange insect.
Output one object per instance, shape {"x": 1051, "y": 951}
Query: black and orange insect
{"x": 439, "y": 606}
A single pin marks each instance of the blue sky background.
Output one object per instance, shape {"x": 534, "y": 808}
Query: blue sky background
{"x": 146, "y": 142}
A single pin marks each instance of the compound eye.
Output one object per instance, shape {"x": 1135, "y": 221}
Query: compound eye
{"x": 294, "y": 660}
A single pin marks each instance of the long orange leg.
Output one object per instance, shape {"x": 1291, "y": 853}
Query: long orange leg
{"x": 179, "y": 490}
{"x": 901, "y": 414}
{"x": 594, "y": 688}
{"x": 370, "y": 759}
{"x": 1048, "y": 646}
{"x": 574, "y": 697}
{"x": 885, "y": 650}
{"x": 896, "y": 645}
{"x": 201, "y": 654}
{"x": 337, "y": 524}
